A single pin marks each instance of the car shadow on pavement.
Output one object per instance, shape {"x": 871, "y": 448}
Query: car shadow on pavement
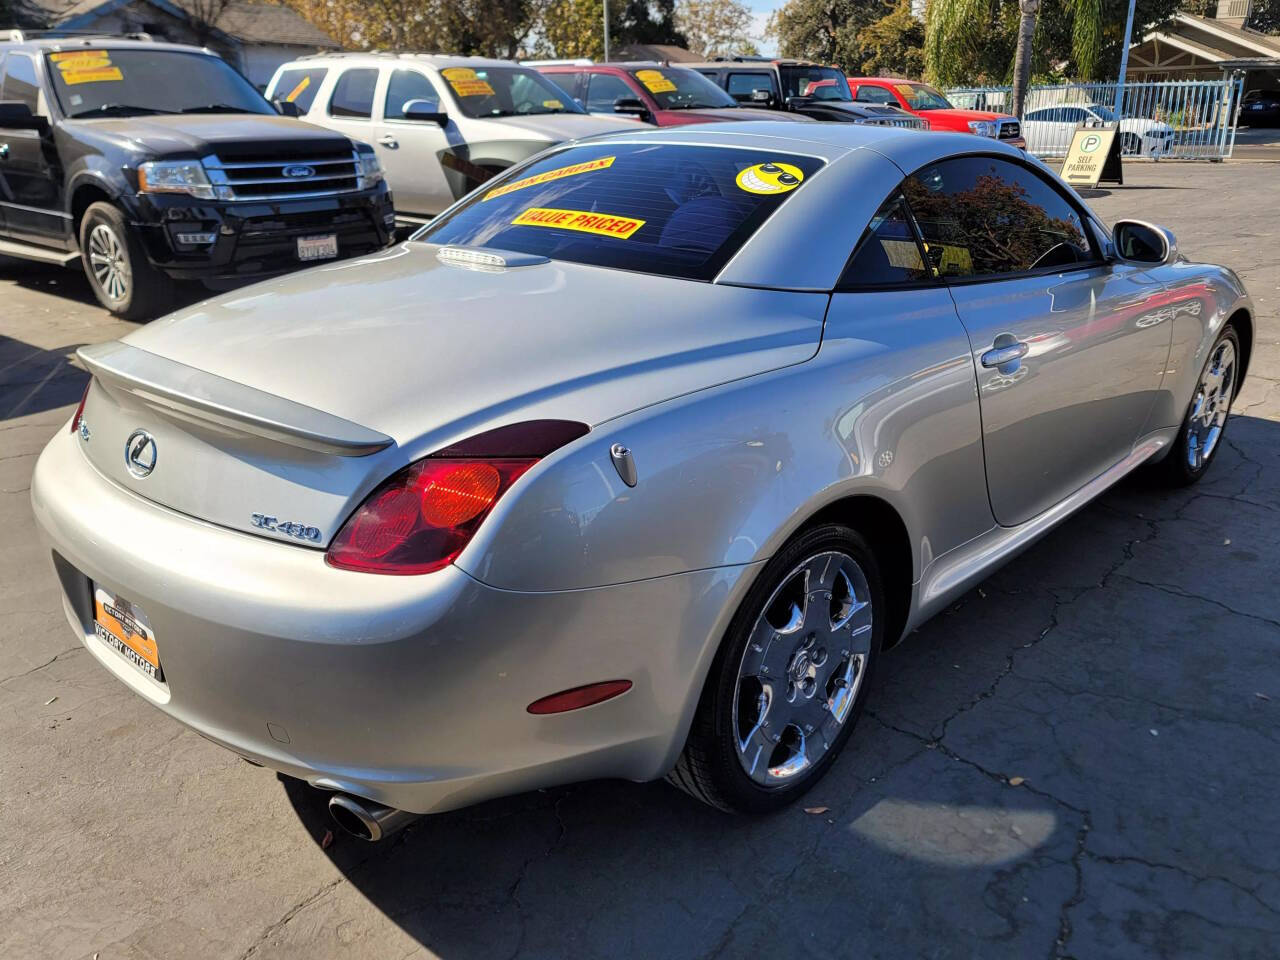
{"x": 33, "y": 380}
{"x": 71, "y": 283}
{"x": 1044, "y": 768}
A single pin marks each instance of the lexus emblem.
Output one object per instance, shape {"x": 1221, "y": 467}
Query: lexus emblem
{"x": 299, "y": 171}
{"x": 140, "y": 454}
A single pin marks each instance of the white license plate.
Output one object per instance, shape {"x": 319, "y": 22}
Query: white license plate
{"x": 318, "y": 248}
{"x": 123, "y": 627}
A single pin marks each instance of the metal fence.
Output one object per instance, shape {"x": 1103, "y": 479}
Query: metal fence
{"x": 1180, "y": 119}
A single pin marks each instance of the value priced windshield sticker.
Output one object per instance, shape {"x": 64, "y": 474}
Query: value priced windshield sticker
{"x": 767, "y": 179}
{"x": 557, "y": 174}
{"x": 466, "y": 82}
{"x": 581, "y": 220}
{"x": 86, "y": 66}
{"x": 655, "y": 81}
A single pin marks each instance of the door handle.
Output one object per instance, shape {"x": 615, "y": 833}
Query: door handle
{"x": 1005, "y": 352}
{"x": 389, "y": 141}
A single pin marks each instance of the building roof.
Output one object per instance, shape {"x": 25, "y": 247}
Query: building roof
{"x": 655, "y": 51}
{"x": 243, "y": 20}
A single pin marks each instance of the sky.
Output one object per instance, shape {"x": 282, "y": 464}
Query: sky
{"x": 761, "y": 10}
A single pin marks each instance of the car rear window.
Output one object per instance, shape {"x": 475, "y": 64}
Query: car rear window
{"x": 672, "y": 209}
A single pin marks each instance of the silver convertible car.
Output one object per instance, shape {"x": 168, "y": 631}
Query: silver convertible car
{"x": 630, "y": 464}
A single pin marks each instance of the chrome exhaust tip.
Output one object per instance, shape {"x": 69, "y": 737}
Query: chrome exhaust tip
{"x": 367, "y": 820}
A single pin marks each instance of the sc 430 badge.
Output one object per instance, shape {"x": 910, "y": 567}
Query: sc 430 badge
{"x": 296, "y": 530}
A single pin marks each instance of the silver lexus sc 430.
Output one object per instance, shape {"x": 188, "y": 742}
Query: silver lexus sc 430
{"x": 628, "y": 465}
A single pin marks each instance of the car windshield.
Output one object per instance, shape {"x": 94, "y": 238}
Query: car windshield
{"x": 675, "y": 88}
{"x": 505, "y": 92}
{"x": 115, "y": 82}
{"x": 821, "y": 83}
{"x": 1105, "y": 114}
{"x": 921, "y": 96}
{"x": 677, "y": 210}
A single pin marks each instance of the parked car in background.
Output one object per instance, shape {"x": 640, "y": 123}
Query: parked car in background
{"x": 1048, "y": 130}
{"x": 1260, "y": 108}
{"x": 926, "y": 102}
{"x": 629, "y": 466}
{"x": 152, "y": 163}
{"x": 809, "y": 89}
{"x": 440, "y": 125}
{"x": 662, "y": 95}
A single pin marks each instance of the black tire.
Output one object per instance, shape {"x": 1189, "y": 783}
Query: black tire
{"x": 1179, "y": 468}
{"x": 146, "y": 292}
{"x": 709, "y": 767}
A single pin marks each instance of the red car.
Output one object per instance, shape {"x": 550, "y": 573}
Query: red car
{"x": 924, "y": 101}
{"x": 654, "y": 93}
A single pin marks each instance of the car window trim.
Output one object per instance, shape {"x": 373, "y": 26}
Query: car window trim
{"x": 933, "y": 280}
{"x": 1099, "y": 258}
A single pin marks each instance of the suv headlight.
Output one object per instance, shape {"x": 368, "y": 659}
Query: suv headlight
{"x": 982, "y": 128}
{"x": 370, "y": 170}
{"x": 175, "y": 176}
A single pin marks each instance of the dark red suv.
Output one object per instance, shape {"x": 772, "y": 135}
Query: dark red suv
{"x": 655, "y": 93}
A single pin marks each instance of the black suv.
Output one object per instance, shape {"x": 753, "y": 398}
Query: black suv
{"x": 811, "y": 89}
{"x": 155, "y": 162}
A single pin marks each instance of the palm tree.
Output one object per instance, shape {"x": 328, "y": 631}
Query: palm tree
{"x": 956, "y": 31}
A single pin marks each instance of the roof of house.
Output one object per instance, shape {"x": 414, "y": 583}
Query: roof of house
{"x": 655, "y": 51}
{"x": 243, "y": 20}
{"x": 1214, "y": 40}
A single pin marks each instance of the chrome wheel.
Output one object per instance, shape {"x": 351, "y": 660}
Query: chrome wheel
{"x": 802, "y": 668}
{"x": 1211, "y": 404}
{"x": 108, "y": 261}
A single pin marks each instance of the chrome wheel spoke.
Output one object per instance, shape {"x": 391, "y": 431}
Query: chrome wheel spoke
{"x": 1211, "y": 406}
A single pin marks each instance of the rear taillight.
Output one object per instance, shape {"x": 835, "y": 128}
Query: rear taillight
{"x": 75, "y": 420}
{"x": 421, "y": 518}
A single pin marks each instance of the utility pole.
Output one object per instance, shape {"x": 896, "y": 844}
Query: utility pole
{"x": 606, "y": 27}
{"x": 1124, "y": 64}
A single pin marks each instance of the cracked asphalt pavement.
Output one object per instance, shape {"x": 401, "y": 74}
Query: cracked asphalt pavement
{"x": 1078, "y": 759}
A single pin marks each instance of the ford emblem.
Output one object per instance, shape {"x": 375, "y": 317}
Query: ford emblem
{"x": 299, "y": 171}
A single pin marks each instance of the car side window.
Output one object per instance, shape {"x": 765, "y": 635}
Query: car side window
{"x": 20, "y": 81}
{"x": 873, "y": 94}
{"x": 1074, "y": 115}
{"x": 742, "y": 86}
{"x": 987, "y": 217}
{"x": 353, "y": 94}
{"x": 403, "y": 86}
{"x": 299, "y": 85}
{"x": 568, "y": 82}
{"x": 605, "y": 88}
{"x": 888, "y": 254}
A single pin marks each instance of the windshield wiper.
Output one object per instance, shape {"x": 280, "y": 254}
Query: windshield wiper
{"x": 215, "y": 108}
{"x": 119, "y": 109}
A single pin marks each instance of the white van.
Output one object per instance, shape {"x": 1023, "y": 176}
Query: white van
{"x": 441, "y": 125}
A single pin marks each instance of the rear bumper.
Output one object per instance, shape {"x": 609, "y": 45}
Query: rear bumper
{"x": 258, "y": 239}
{"x": 411, "y": 691}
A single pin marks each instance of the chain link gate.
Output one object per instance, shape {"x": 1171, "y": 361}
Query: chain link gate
{"x": 1176, "y": 119}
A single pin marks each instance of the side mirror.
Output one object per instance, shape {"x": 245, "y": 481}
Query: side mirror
{"x": 632, "y": 106}
{"x": 1135, "y": 241}
{"x": 761, "y": 96}
{"x": 425, "y": 111}
{"x": 287, "y": 108}
{"x": 16, "y": 115}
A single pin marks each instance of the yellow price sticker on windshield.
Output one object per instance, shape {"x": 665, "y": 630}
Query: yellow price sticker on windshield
{"x": 584, "y": 221}
{"x": 297, "y": 91}
{"x": 553, "y": 104}
{"x": 655, "y": 81}
{"x": 466, "y": 82}
{"x": 72, "y": 55}
{"x": 556, "y": 174}
{"x": 99, "y": 75}
{"x": 86, "y": 66}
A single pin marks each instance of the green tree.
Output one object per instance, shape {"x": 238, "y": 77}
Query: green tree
{"x": 715, "y": 28}
{"x": 825, "y": 30}
{"x": 893, "y": 46}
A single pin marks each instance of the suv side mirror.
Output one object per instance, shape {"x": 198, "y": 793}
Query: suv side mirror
{"x": 1135, "y": 241}
{"x": 631, "y": 105}
{"x": 16, "y": 115}
{"x": 287, "y": 108}
{"x": 424, "y": 111}
{"x": 761, "y": 96}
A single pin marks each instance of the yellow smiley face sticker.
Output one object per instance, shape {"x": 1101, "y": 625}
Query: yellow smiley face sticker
{"x": 770, "y": 178}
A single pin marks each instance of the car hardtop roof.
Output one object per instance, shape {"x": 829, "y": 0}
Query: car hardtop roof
{"x": 61, "y": 43}
{"x": 622, "y": 65}
{"x": 437, "y": 60}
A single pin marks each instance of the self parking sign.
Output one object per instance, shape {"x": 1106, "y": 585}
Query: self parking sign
{"x": 1094, "y": 156}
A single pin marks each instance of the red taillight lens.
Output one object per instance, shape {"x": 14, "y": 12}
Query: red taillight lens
{"x": 420, "y": 519}
{"x": 75, "y": 420}
{"x": 580, "y": 697}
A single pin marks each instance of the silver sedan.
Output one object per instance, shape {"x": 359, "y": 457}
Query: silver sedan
{"x": 630, "y": 464}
